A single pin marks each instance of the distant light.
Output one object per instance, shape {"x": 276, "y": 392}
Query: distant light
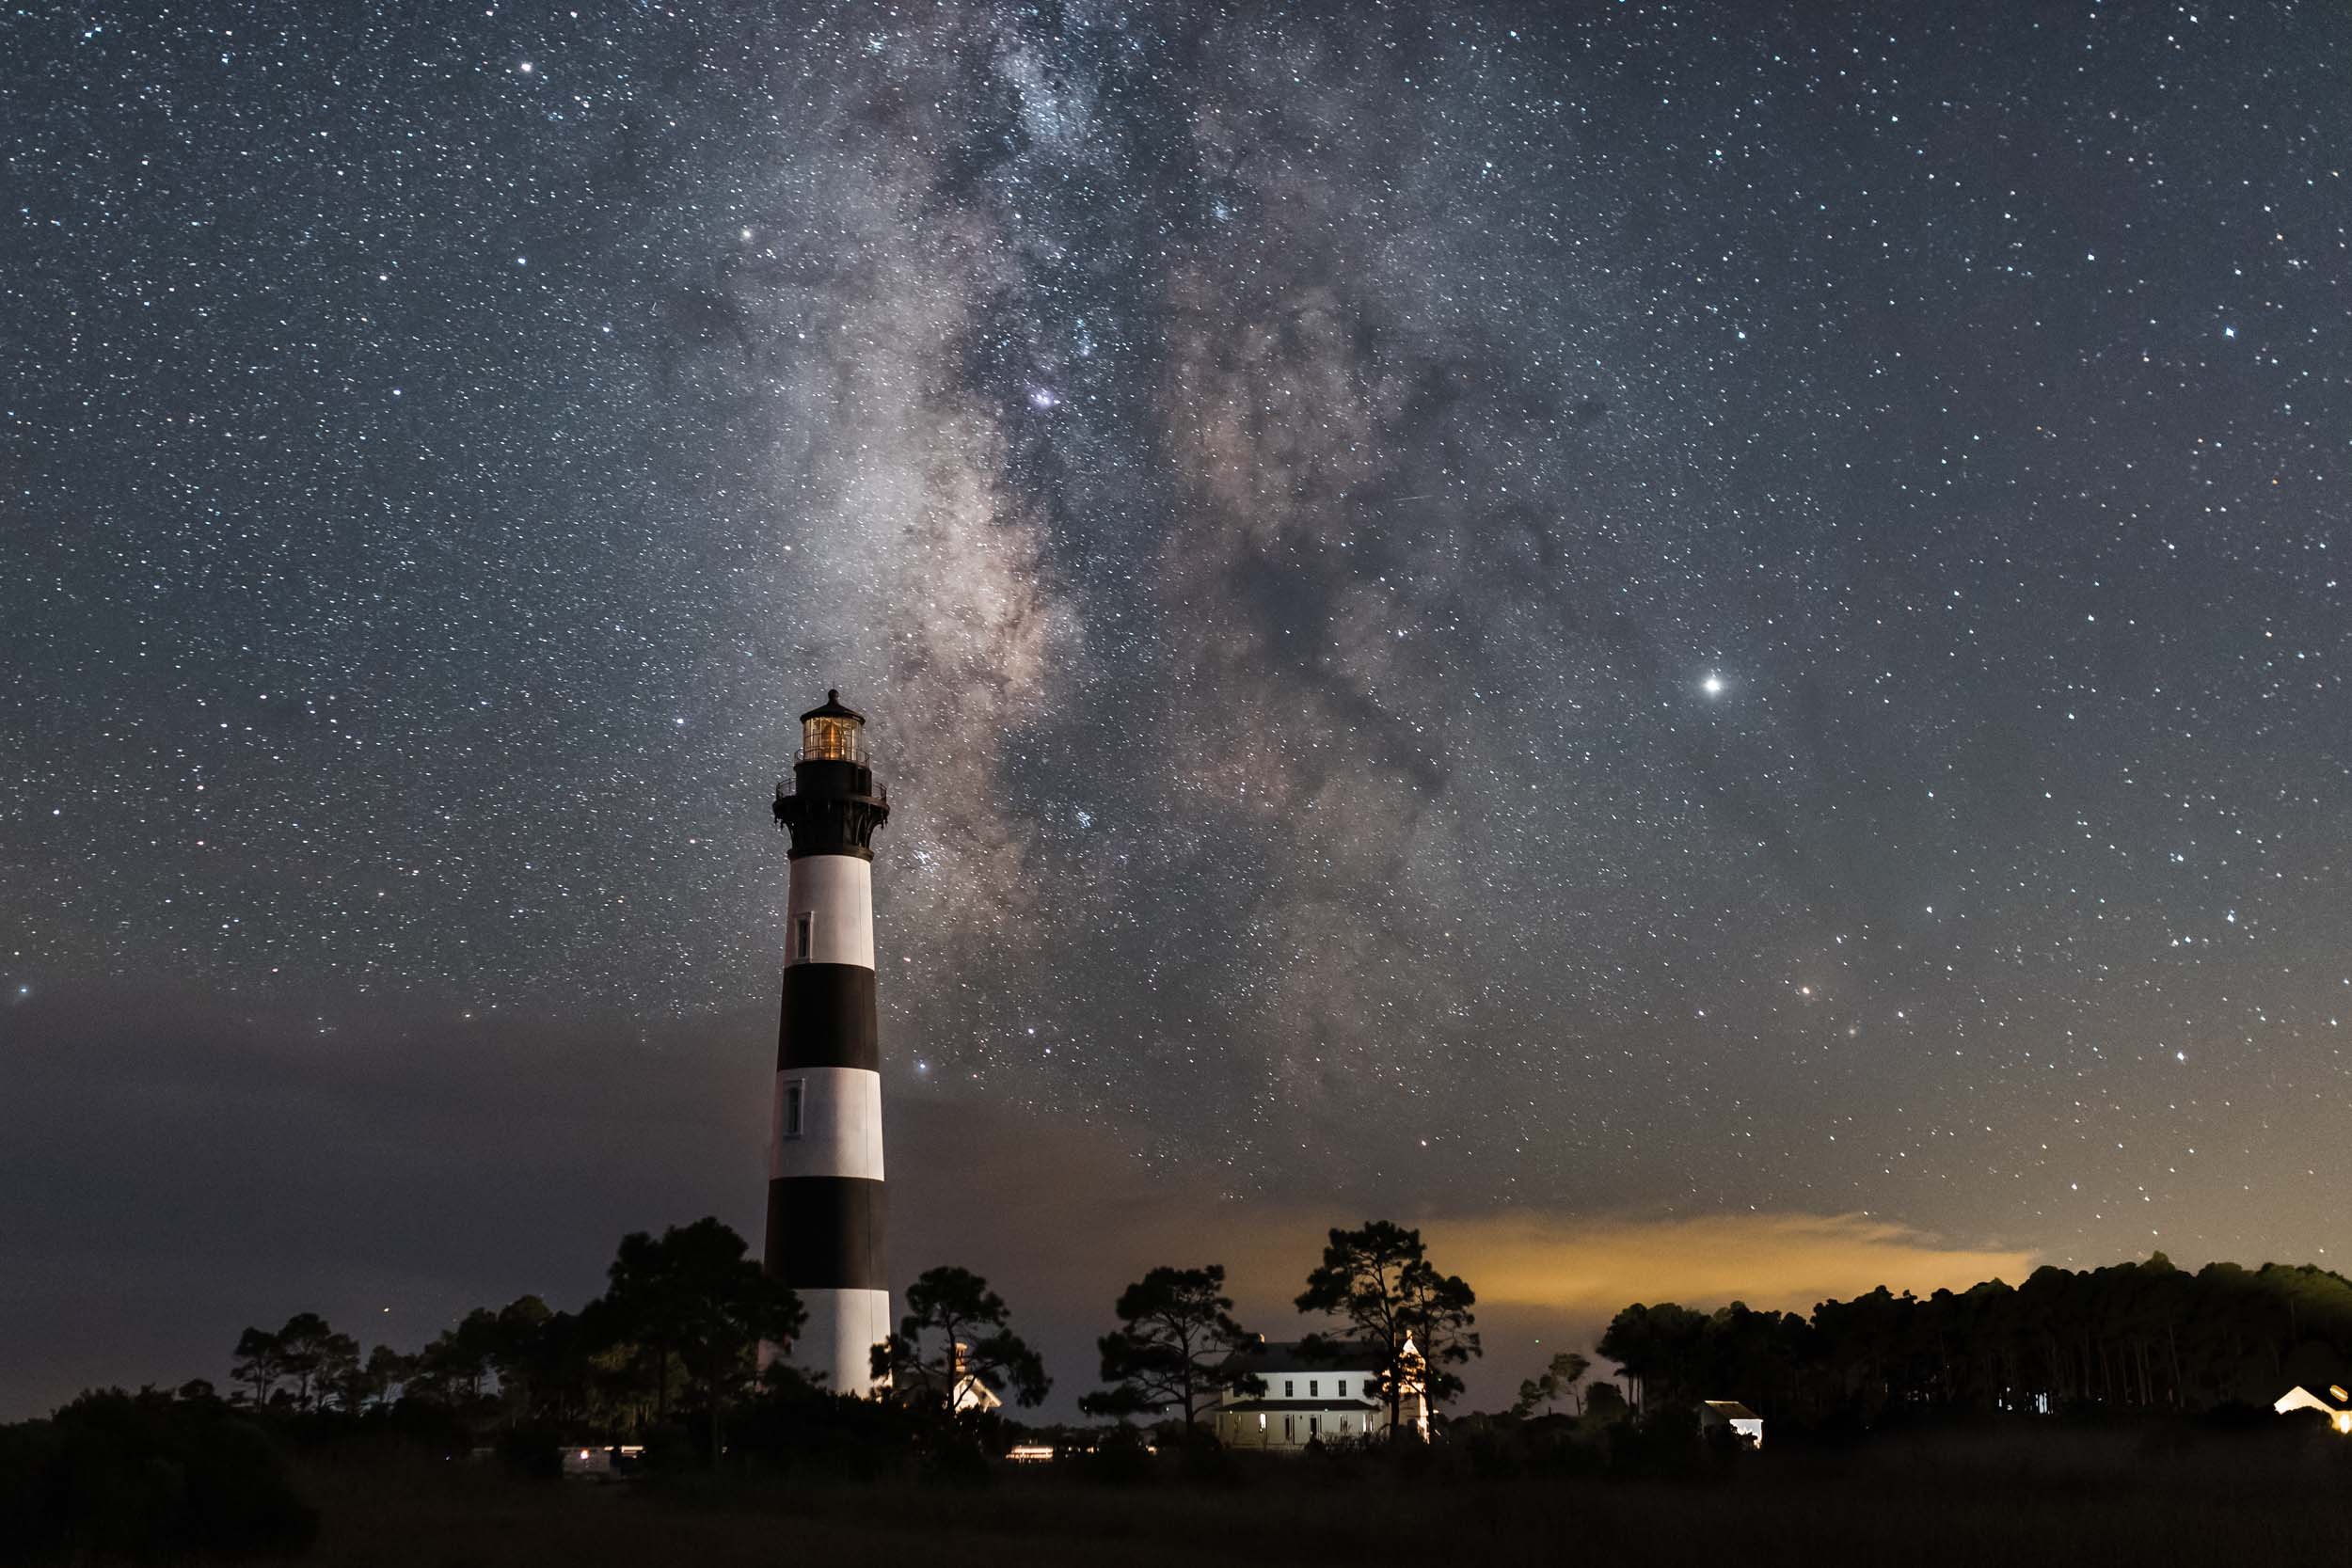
{"x": 1712, "y": 684}
{"x": 526, "y": 70}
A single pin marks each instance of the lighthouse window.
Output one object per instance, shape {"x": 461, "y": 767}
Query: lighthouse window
{"x": 803, "y": 937}
{"x": 794, "y": 1092}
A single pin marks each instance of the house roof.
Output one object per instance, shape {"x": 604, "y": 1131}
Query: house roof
{"x": 1732, "y": 1410}
{"x": 1291, "y": 1355}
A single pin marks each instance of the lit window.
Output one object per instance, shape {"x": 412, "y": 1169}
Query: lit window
{"x": 794, "y": 1092}
{"x": 803, "y": 937}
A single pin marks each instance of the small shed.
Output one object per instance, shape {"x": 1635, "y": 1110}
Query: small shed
{"x": 1744, "y": 1423}
{"x": 2299, "y": 1398}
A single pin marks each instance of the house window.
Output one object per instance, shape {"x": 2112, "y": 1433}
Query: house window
{"x": 1262, "y": 1423}
{"x": 1342, "y": 1387}
{"x": 1342, "y": 1426}
{"x": 1314, "y": 1387}
{"x": 795, "y": 1091}
{"x": 1288, "y": 1389}
{"x": 1313, "y": 1425}
{"x": 1290, "y": 1433}
{"x": 803, "y": 937}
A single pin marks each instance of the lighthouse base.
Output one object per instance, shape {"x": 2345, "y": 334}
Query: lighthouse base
{"x": 837, "y": 1344}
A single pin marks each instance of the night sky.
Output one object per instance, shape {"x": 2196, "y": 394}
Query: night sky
{"x": 1644, "y": 634}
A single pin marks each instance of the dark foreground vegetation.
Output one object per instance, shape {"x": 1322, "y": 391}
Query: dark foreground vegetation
{"x": 2119, "y": 1416}
{"x": 852, "y": 1486}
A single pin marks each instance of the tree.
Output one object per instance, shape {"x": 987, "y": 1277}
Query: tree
{"x": 314, "y": 1356}
{"x": 1379, "y": 1280}
{"x": 257, "y": 1365}
{"x": 1176, "y": 1333}
{"x": 693, "y": 1295}
{"x": 953, "y": 1339}
{"x": 453, "y": 1368}
{"x": 1557, "y": 1381}
{"x": 372, "y": 1382}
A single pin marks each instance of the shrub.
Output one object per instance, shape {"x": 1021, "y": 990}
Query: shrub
{"x": 145, "y": 1476}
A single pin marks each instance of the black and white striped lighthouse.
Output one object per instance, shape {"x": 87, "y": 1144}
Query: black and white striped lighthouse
{"x": 825, "y": 1152}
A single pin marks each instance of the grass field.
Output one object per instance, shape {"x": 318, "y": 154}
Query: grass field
{"x": 2074, "y": 1497}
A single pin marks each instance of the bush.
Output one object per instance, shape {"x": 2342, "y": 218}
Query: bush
{"x": 145, "y": 1476}
{"x": 1121, "y": 1458}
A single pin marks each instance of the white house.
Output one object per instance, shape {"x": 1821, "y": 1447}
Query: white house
{"x": 1746, "y": 1423}
{"x": 1331, "y": 1398}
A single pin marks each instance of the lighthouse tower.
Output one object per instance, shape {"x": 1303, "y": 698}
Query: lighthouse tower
{"x": 825, "y": 1148}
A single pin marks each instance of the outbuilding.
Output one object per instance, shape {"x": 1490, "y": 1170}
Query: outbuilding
{"x": 1744, "y": 1423}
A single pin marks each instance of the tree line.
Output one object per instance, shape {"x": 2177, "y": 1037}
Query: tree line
{"x": 675, "y": 1337}
{"x": 2138, "y": 1335}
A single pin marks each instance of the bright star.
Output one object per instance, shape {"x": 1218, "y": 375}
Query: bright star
{"x": 1712, "y": 684}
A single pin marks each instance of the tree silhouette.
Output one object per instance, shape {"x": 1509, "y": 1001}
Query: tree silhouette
{"x": 1557, "y": 1381}
{"x": 314, "y": 1356}
{"x": 257, "y": 1364}
{"x": 953, "y": 1339}
{"x": 1176, "y": 1333}
{"x": 694, "y": 1296}
{"x": 1379, "y": 1280}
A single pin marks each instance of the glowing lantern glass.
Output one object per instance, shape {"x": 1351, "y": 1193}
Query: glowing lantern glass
{"x": 831, "y": 741}
{"x": 833, "y": 733}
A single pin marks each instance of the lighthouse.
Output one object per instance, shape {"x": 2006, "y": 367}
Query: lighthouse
{"x": 825, "y": 1146}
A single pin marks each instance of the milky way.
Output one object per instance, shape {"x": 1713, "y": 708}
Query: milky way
{"x": 1580, "y": 608}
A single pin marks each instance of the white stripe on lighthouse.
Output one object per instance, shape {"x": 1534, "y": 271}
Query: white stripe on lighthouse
{"x": 839, "y": 1337}
{"x": 840, "y": 1131}
{"x": 837, "y": 893}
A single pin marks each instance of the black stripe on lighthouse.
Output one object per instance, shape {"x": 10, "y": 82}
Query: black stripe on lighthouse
{"x": 829, "y": 1018}
{"x": 825, "y": 1232}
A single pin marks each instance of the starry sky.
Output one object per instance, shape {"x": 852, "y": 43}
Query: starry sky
{"x": 1636, "y": 632}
